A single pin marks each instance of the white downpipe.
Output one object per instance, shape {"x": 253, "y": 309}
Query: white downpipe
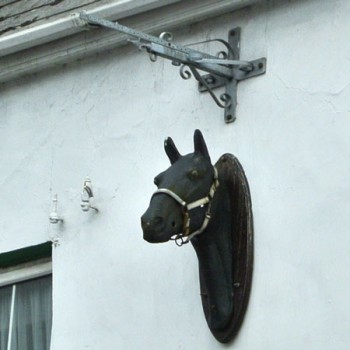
{"x": 12, "y": 310}
{"x": 72, "y": 24}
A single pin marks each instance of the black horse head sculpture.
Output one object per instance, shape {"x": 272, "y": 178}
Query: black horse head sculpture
{"x": 210, "y": 207}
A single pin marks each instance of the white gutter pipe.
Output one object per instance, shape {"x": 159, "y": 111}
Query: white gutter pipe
{"x": 72, "y": 24}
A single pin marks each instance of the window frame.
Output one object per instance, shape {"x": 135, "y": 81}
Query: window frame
{"x": 23, "y": 265}
{"x": 29, "y": 271}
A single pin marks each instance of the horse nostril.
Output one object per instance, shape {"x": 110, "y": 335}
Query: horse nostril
{"x": 173, "y": 224}
{"x": 144, "y": 223}
{"x": 152, "y": 223}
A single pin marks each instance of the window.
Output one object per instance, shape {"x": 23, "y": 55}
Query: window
{"x": 25, "y": 301}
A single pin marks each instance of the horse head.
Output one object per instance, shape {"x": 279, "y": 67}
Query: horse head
{"x": 178, "y": 207}
{"x": 189, "y": 205}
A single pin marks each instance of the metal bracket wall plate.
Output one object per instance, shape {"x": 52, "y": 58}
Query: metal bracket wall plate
{"x": 214, "y": 81}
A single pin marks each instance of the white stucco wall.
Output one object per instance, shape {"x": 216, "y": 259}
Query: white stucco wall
{"x": 107, "y": 117}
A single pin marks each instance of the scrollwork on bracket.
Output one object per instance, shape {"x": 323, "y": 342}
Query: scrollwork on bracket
{"x": 145, "y": 47}
{"x": 152, "y": 56}
{"x": 222, "y": 54}
{"x": 166, "y": 36}
{"x": 185, "y": 72}
{"x": 225, "y": 97}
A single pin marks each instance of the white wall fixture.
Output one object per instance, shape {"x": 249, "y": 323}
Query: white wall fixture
{"x": 54, "y": 218}
{"x": 86, "y": 196}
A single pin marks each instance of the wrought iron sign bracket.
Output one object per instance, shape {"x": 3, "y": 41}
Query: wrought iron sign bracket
{"x": 224, "y": 70}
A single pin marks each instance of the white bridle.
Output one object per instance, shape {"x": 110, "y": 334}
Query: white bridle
{"x": 186, "y": 235}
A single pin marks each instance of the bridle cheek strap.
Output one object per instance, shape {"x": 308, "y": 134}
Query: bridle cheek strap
{"x": 186, "y": 236}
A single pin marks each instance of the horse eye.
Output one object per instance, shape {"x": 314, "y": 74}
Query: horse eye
{"x": 193, "y": 174}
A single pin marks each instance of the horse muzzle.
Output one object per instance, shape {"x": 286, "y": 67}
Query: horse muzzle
{"x": 158, "y": 228}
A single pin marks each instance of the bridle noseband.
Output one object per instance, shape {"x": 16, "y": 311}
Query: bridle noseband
{"x": 186, "y": 235}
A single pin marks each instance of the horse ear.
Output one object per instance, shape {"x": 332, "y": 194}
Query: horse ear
{"x": 199, "y": 144}
{"x": 171, "y": 150}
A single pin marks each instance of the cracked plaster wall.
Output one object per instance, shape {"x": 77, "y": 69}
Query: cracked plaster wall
{"x": 107, "y": 116}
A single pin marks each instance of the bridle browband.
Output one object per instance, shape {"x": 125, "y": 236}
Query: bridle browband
{"x": 186, "y": 235}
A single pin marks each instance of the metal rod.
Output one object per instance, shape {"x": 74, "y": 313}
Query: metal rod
{"x": 137, "y": 34}
{"x": 187, "y": 59}
{"x": 163, "y": 48}
{"x": 226, "y": 62}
